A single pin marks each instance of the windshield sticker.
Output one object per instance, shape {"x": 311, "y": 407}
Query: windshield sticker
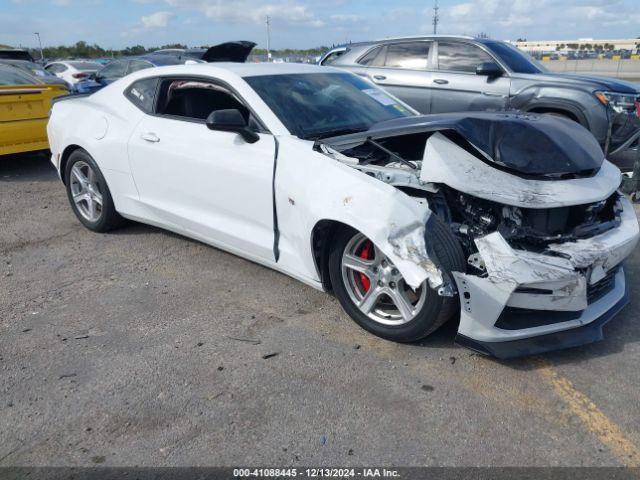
{"x": 137, "y": 94}
{"x": 379, "y": 96}
{"x": 400, "y": 108}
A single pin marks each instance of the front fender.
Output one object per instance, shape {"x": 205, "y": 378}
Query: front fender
{"x": 581, "y": 104}
{"x": 311, "y": 187}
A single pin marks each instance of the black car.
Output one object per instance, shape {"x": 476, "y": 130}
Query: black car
{"x": 225, "y": 52}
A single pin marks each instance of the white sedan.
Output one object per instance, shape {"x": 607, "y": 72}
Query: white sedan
{"x": 73, "y": 71}
{"x": 511, "y": 222}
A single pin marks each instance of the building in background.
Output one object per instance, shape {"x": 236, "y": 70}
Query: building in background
{"x": 583, "y": 44}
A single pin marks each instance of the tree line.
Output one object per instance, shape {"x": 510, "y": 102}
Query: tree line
{"x": 85, "y": 50}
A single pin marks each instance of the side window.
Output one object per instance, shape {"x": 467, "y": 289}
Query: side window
{"x": 196, "y": 99}
{"x": 460, "y": 57}
{"x": 113, "y": 71}
{"x": 143, "y": 94}
{"x": 412, "y": 55}
{"x": 137, "y": 65}
{"x": 371, "y": 58}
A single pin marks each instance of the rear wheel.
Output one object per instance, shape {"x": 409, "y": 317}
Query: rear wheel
{"x": 89, "y": 194}
{"x": 374, "y": 293}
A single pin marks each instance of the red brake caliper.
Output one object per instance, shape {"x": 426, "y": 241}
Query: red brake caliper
{"x": 367, "y": 254}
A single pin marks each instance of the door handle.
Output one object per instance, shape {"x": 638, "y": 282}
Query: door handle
{"x": 150, "y": 137}
{"x": 379, "y": 77}
{"x": 441, "y": 81}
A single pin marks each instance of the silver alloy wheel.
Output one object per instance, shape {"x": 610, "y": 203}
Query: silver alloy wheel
{"x": 376, "y": 286}
{"x": 85, "y": 191}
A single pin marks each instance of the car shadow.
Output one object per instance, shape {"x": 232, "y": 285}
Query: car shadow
{"x": 132, "y": 228}
{"x": 623, "y": 329}
{"x": 27, "y": 167}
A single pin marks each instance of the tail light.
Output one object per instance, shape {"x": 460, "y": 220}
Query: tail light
{"x": 80, "y": 75}
{"x": 638, "y": 107}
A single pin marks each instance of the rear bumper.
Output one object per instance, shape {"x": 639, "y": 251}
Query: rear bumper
{"x": 23, "y": 136}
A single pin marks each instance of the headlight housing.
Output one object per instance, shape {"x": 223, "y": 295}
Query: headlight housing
{"x": 619, "y": 102}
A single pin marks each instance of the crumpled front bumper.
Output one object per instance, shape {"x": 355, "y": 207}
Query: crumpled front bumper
{"x": 535, "y": 302}
{"x": 625, "y": 141}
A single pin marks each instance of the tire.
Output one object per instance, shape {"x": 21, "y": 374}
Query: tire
{"x": 560, "y": 115}
{"x": 83, "y": 179}
{"x": 430, "y": 313}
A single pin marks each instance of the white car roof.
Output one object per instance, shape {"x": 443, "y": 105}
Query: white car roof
{"x": 232, "y": 73}
{"x": 246, "y": 69}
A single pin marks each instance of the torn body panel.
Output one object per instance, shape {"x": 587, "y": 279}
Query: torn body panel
{"x": 586, "y": 280}
{"x": 336, "y": 192}
{"x": 544, "y": 252}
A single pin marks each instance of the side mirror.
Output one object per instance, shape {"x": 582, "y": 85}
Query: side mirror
{"x": 489, "y": 69}
{"x": 231, "y": 121}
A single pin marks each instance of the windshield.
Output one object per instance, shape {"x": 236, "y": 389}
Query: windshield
{"x": 85, "y": 65}
{"x": 33, "y": 68}
{"x": 515, "y": 59}
{"x": 320, "y": 105}
{"x": 13, "y": 76}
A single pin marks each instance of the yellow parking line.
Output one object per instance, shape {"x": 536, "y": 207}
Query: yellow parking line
{"x": 591, "y": 416}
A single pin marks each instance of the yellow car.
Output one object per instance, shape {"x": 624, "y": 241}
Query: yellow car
{"x": 24, "y": 111}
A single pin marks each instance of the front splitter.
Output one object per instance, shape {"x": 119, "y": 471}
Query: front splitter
{"x": 574, "y": 337}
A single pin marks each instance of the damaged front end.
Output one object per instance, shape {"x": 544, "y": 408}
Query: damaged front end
{"x": 537, "y": 213}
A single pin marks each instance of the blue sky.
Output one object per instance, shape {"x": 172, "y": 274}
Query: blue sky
{"x": 305, "y": 23}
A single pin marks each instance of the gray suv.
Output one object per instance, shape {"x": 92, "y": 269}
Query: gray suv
{"x": 440, "y": 74}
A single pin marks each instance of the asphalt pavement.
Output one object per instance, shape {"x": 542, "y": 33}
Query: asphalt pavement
{"x": 141, "y": 347}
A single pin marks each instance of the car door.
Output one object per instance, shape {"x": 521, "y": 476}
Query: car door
{"x": 457, "y": 88}
{"x": 212, "y": 184}
{"x": 403, "y": 69}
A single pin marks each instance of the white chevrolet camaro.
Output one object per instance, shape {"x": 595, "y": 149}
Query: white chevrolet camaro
{"x": 512, "y": 222}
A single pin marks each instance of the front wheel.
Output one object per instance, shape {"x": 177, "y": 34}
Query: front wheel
{"x": 373, "y": 292}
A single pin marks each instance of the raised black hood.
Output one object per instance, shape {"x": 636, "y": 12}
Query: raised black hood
{"x": 529, "y": 145}
{"x": 229, "y": 52}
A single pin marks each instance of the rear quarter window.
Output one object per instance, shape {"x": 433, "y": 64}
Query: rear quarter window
{"x": 333, "y": 56}
{"x": 143, "y": 94}
{"x": 373, "y": 58}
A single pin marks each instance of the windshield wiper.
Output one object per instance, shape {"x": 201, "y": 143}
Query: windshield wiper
{"x": 370, "y": 141}
{"x": 337, "y": 132}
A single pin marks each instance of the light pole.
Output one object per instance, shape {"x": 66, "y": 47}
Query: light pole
{"x": 40, "y": 43}
{"x": 436, "y": 18}
{"x": 268, "y": 38}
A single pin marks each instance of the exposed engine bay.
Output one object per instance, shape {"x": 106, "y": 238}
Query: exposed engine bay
{"x": 537, "y": 214}
{"x": 398, "y": 161}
